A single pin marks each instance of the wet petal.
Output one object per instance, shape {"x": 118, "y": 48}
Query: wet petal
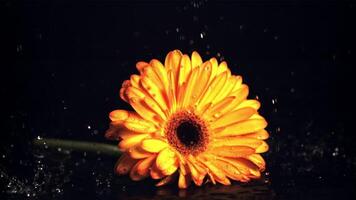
{"x": 232, "y": 151}
{"x": 258, "y": 160}
{"x": 196, "y": 60}
{"x": 261, "y": 134}
{"x": 249, "y": 103}
{"x": 167, "y": 161}
{"x": 234, "y": 117}
{"x": 153, "y": 145}
{"x": 241, "y": 128}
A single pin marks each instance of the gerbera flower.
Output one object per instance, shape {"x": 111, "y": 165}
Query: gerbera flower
{"x": 192, "y": 121}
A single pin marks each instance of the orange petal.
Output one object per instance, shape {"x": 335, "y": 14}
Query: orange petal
{"x": 166, "y": 180}
{"x": 232, "y": 151}
{"x": 144, "y": 167}
{"x": 167, "y": 161}
{"x": 131, "y": 141}
{"x": 137, "y": 152}
{"x": 153, "y": 145}
{"x": 217, "y": 173}
{"x": 241, "y": 128}
{"x": 233, "y": 117}
{"x": 260, "y": 146}
{"x": 155, "y": 172}
{"x": 124, "y": 86}
{"x": 140, "y": 66}
{"x": 258, "y": 160}
{"x": 124, "y": 164}
{"x": 245, "y": 166}
{"x": 229, "y": 170}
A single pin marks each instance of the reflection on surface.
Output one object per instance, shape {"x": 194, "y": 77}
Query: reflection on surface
{"x": 205, "y": 192}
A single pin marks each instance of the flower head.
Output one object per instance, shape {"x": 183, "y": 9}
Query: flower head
{"x": 192, "y": 121}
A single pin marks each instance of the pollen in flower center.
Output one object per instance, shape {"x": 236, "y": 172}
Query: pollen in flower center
{"x": 187, "y": 133}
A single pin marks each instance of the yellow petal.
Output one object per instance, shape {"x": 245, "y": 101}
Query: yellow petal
{"x": 258, "y": 160}
{"x": 214, "y": 68}
{"x": 132, "y": 121}
{"x": 245, "y": 166}
{"x": 249, "y": 103}
{"x": 137, "y": 152}
{"x": 172, "y": 60}
{"x": 153, "y": 145}
{"x": 225, "y": 90}
{"x": 131, "y": 141}
{"x": 260, "y": 146}
{"x": 261, "y": 135}
{"x": 155, "y": 92}
{"x": 241, "y": 128}
{"x": 183, "y": 181}
{"x": 233, "y": 117}
{"x": 124, "y": 164}
{"x": 240, "y": 95}
{"x": 212, "y": 112}
{"x": 217, "y": 173}
{"x": 232, "y": 151}
{"x": 196, "y": 176}
{"x": 134, "y": 80}
{"x": 119, "y": 115}
{"x": 167, "y": 161}
{"x": 203, "y": 80}
{"x": 222, "y": 68}
{"x": 188, "y": 94}
{"x": 237, "y": 84}
{"x": 229, "y": 170}
{"x": 161, "y": 73}
{"x": 196, "y": 60}
{"x": 141, "y": 107}
{"x": 213, "y": 90}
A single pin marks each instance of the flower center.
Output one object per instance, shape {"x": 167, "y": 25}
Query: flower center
{"x": 187, "y": 133}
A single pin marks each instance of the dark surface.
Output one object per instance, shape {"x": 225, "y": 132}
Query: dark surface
{"x": 71, "y": 58}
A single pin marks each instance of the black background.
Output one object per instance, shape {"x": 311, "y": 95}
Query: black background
{"x": 63, "y": 64}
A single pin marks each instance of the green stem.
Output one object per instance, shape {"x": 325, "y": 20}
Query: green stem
{"x": 71, "y": 145}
